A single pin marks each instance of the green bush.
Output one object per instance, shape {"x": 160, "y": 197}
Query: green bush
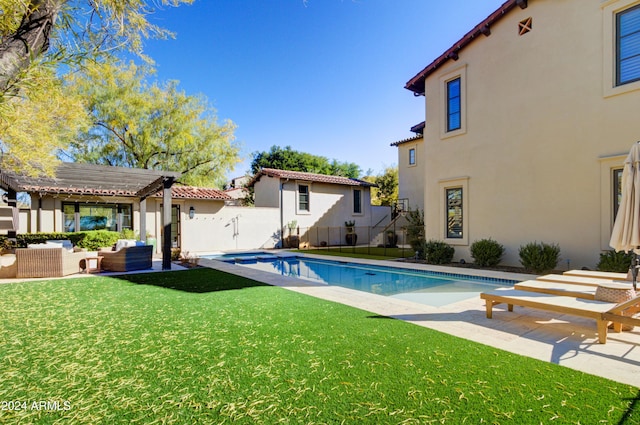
{"x": 415, "y": 231}
{"x": 487, "y": 252}
{"x": 95, "y": 239}
{"x": 611, "y": 261}
{"x": 438, "y": 252}
{"x": 539, "y": 257}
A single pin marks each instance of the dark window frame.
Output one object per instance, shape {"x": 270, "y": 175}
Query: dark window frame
{"x": 454, "y": 104}
{"x": 412, "y": 156}
{"x": 621, "y": 38}
{"x": 454, "y": 218}
{"x": 304, "y": 201}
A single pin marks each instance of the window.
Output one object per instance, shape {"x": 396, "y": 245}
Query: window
{"x": 454, "y": 105}
{"x": 628, "y": 46}
{"x": 357, "y": 201}
{"x": 303, "y": 197}
{"x": 453, "y": 215}
{"x": 412, "y": 156}
{"x": 617, "y": 191}
{"x": 115, "y": 217}
{"x": 453, "y": 116}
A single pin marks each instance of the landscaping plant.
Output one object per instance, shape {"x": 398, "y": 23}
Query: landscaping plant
{"x": 612, "y": 261}
{"x": 539, "y": 257}
{"x": 487, "y": 252}
{"x": 438, "y": 252}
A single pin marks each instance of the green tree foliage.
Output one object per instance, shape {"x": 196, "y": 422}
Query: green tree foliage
{"x": 387, "y": 191}
{"x": 142, "y": 125}
{"x": 35, "y": 126}
{"x": 40, "y": 39}
{"x": 288, "y": 159}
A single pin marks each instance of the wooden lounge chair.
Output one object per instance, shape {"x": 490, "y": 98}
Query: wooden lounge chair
{"x": 596, "y": 274}
{"x": 602, "y": 312}
{"x": 557, "y": 288}
{"x": 581, "y": 280}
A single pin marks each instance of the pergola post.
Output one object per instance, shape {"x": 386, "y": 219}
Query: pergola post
{"x": 143, "y": 220}
{"x": 166, "y": 223}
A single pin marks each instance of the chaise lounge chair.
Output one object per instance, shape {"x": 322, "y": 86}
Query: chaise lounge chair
{"x": 602, "y": 312}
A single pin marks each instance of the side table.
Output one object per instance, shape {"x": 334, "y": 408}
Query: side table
{"x": 92, "y": 263}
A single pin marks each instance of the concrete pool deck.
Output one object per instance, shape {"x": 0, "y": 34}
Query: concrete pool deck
{"x": 562, "y": 339}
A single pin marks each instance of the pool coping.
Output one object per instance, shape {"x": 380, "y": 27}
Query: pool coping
{"x": 565, "y": 340}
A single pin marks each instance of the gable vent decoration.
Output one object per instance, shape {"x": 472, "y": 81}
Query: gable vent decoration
{"x": 525, "y": 26}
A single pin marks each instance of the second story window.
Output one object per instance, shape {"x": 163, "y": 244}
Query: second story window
{"x": 628, "y": 46}
{"x": 454, "y": 105}
{"x": 412, "y": 156}
{"x": 303, "y": 197}
{"x": 357, "y": 201}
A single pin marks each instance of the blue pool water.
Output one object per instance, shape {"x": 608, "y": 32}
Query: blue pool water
{"x": 426, "y": 287}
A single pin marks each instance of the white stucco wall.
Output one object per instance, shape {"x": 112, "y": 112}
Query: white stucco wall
{"x": 542, "y": 132}
{"x": 411, "y": 177}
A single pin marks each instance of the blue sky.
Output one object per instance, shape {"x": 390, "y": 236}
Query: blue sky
{"x": 323, "y": 76}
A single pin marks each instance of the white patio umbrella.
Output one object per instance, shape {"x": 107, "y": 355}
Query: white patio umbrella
{"x": 626, "y": 228}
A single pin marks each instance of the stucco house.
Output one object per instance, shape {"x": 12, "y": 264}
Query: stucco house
{"x": 411, "y": 168}
{"x": 529, "y": 117}
{"x": 308, "y": 200}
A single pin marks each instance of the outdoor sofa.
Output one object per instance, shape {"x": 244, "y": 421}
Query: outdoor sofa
{"x": 127, "y": 259}
{"x": 47, "y": 262}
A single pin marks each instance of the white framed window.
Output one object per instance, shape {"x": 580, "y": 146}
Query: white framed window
{"x": 303, "y": 195}
{"x": 412, "y": 156}
{"x": 453, "y": 93}
{"x": 357, "y": 195}
{"x": 454, "y": 210}
{"x": 621, "y": 26}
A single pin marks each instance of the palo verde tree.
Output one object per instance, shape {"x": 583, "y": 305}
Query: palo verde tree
{"x": 289, "y": 159}
{"x": 40, "y": 39}
{"x": 152, "y": 126}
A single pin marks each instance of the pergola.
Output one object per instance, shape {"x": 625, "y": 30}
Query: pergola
{"x": 100, "y": 180}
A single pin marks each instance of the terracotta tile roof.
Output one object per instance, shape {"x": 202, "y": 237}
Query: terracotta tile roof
{"x": 89, "y": 179}
{"x": 417, "y": 83}
{"x": 310, "y": 177}
{"x": 192, "y": 192}
{"x": 410, "y": 139}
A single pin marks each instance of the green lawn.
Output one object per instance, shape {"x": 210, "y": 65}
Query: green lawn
{"x": 201, "y": 346}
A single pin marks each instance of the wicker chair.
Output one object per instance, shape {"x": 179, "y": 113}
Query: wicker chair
{"x": 47, "y": 262}
{"x": 127, "y": 259}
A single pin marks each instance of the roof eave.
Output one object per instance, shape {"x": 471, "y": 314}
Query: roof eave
{"x": 417, "y": 83}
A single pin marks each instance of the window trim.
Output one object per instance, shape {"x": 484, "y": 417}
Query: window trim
{"x": 454, "y": 183}
{"x": 298, "y": 209}
{"x": 608, "y": 166}
{"x": 610, "y": 11}
{"x": 445, "y": 79}
{"x": 414, "y": 157}
{"x": 353, "y": 203}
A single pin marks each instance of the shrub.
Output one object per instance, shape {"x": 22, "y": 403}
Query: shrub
{"x": 539, "y": 257}
{"x": 487, "y": 252}
{"x": 438, "y": 252}
{"x": 95, "y": 239}
{"x": 612, "y": 261}
{"x": 415, "y": 231}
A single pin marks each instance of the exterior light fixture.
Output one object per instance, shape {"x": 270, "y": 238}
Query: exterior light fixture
{"x": 192, "y": 212}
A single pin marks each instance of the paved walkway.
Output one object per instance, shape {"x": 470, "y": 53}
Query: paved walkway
{"x": 562, "y": 339}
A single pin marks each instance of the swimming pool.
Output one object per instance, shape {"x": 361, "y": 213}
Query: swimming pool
{"x": 426, "y": 287}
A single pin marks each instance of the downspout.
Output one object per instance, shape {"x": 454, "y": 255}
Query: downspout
{"x": 282, "y": 213}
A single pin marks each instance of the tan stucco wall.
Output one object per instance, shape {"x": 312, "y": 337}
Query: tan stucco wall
{"x": 539, "y": 127}
{"x": 411, "y": 177}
